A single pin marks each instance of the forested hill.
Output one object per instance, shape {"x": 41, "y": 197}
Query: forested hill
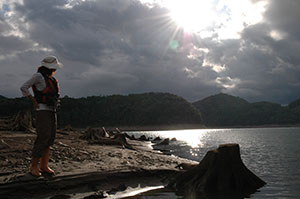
{"x": 163, "y": 109}
{"x": 226, "y": 110}
{"x": 148, "y": 109}
{"x": 295, "y": 105}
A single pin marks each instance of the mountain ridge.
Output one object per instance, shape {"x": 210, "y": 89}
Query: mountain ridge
{"x": 227, "y": 110}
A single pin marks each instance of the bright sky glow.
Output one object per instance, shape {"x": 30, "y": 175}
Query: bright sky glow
{"x": 228, "y": 82}
{"x": 215, "y": 67}
{"x": 226, "y": 18}
{"x": 72, "y": 3}
{"x": 276, "y": 35}
{"x": 192, "y": 15}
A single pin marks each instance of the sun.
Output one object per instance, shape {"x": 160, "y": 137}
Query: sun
{"x": 191, "y": 15}
{"x": 224, "y": 19}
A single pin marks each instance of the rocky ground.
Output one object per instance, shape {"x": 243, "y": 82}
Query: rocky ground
{"x": 80, "y": 167}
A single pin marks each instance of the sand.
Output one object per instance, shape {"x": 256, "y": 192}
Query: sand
{"x": 82, "y": 169}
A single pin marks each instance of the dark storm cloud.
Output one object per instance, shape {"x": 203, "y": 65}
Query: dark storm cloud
{"x": 85, "y": 31}
{"x": 12, "y": 44}
{"x": 123, "y": 46}
{"x": 267, "y": 69}
{"x": 284, "y": 15}
{"x": 3, "y": 25}
{"x": 262, "y": 67}
{"x": 112, "y": 47}
{"x": 283, "y": 72}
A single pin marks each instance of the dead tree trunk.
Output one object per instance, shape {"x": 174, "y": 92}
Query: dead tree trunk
{"x": 221, "y": 172}
{"x": 94, "y": 134}
{"x": 100, "y": 136}
{"x": 20, "y": 122}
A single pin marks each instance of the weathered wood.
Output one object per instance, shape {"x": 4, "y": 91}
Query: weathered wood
{"x": 22, "y": 121}
{"x": 100, "y": 136}
{"x": 221, "y": 172}
{"x": 185, "y": 166}
{"x": 94, "y": 134}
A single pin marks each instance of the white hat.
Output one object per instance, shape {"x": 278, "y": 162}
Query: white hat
{"x": 51, "y": 62}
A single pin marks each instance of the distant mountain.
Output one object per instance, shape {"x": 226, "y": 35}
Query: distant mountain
{"x": 227, "y": 110}
{"x": 223, "y": 110}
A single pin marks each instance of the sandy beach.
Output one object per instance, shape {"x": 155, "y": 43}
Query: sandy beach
{"x": 82, "y": 169}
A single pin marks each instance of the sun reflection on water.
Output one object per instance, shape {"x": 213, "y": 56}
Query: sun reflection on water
{"x": 193, "y": 138}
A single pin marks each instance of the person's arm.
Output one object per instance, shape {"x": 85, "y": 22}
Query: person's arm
{"x": 34, "y": 102}
{"x": 25, "y": 90}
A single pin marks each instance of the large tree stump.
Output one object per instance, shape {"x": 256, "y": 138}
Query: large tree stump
{"x": 221, "y": 172}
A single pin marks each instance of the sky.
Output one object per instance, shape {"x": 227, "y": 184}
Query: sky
{"x": 191, "y": 48}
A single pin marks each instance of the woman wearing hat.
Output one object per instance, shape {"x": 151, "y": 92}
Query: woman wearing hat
{"x": 45, "y": 101}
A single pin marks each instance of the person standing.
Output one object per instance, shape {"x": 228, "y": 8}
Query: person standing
{"x": 45, "y": 102}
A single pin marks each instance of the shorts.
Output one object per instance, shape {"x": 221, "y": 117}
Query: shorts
{"x": 46, "y": 124}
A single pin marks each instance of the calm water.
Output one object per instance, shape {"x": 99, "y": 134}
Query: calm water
{"x": 273, "y": 154}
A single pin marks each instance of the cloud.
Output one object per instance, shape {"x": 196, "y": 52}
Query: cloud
{"x": 129, "y": 42}
{"x": 283, "y": 15}
{"x": 125, "y": 46}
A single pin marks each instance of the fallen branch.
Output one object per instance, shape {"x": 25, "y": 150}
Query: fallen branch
{"x": 100, "y": 136}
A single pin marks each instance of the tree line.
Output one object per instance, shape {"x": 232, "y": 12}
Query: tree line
{"x": 162, "y": 109}
{"x": 148, "y": 109}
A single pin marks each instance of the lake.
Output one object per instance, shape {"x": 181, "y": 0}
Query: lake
{"x": 272, "y": 154}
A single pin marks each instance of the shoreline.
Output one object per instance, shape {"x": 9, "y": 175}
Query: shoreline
{"x": 80, "y": 166}
{"x": 191, "y": 127}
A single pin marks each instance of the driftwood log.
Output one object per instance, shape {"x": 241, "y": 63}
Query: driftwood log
{"x": 22, "y": 121}
{"x": 220, "y": 173}
{"x": 95, "y": 134}
{"x": 100, "y": 136}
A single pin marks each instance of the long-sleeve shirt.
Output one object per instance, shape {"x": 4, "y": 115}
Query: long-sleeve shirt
{"x": 38, "y": 81}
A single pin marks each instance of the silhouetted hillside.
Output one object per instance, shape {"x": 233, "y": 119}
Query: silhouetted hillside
{"x": 149, "y": 109}
{"x": 295, "y": 104}
{"x": 132, "y": 110}
{"x": 223, "y": 110}
{"x": 163, "y": 109}
{"x": 227, "y": 110}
